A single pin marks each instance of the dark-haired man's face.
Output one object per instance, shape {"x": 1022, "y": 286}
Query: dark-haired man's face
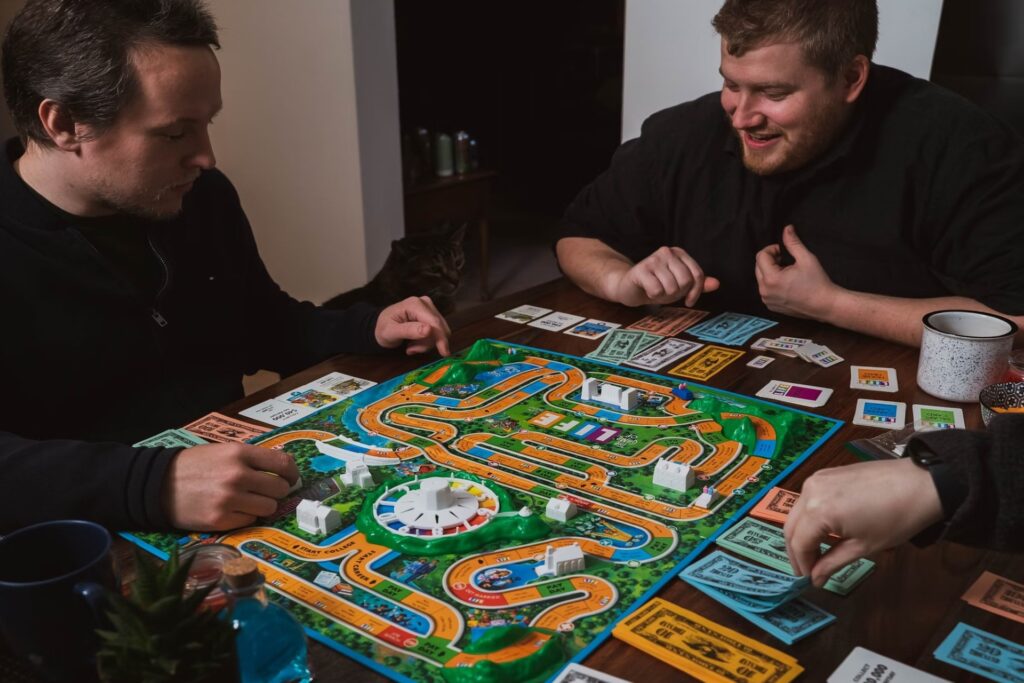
{"x": 783, "y": 110}
{"x": 147, "y": 161}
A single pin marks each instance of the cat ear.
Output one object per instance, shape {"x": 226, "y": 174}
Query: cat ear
{"x": 458, "y": 233}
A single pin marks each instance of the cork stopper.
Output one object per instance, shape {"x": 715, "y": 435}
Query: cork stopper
{"x": 241, "y": 572}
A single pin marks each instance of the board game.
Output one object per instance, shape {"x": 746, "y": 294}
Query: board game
{"x": 491, "y": 516}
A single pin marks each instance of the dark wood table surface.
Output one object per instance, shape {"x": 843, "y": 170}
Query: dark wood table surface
{"x": 903, "y": 610}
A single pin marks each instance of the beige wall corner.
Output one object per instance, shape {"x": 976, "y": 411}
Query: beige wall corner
{"x": 289, "y": 138}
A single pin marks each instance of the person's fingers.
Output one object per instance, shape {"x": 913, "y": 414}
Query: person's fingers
{"x": 687, "y": 281}
{"x": 645, "y": 280}
{"x": 767, "y": 260}
{"x": 803, "y": 541}
{"x": 711, "y": 283}
{"x": 265, "y": 483}
{"x": 254, "y": 505}
{"x": 841, "y": 553}
{"x": 270, "y": 460}
{"x": 433, "y": 309}
{"x": 794, "y": 244}
{"x": 671, "y": 287}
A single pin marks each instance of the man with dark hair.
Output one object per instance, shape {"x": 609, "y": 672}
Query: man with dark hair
{"x": 907, "y": 198}
{"x": 132, "y": 290}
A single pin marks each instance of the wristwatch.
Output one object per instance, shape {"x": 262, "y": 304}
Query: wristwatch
{"x": 949, "y": 484}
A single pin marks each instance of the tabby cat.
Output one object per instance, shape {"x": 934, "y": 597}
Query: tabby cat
{"x": 427, "y": 263}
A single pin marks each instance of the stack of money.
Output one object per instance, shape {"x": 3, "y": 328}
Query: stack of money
{"x": 700, "y": 647}
{"x": 621, "y": 345}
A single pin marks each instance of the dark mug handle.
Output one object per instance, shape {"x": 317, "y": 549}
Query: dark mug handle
{"x": 95, "y": 596}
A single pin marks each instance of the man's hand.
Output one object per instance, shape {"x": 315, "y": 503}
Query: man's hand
{"x": 803, "y": 289}
{"x": 225, "y": 485}
{"x": 414, "y": 320}
{"x": 870, "y": 506}
{"x": 664, "y": 277}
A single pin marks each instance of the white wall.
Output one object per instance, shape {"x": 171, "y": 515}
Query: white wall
{"x": 318, "y": 170}
{"x": 672, "y": 53}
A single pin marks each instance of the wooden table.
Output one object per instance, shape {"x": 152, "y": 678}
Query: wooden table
{"x": 903, "y": 610}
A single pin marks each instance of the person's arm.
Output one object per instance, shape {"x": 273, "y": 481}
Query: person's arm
{"x": 870, "y": 506}
{"x": 972, "y": 480}
{"x": 804, "y": 290}
{"x": 666, "y": 276}
{"x": 110, "y": 483}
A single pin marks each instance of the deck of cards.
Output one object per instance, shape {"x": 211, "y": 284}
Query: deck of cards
{"x": 798, "y": 347}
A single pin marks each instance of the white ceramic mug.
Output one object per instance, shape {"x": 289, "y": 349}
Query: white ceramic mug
{"x": 962, "y": 352}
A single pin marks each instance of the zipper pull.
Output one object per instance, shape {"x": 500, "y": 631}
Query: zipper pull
{"x": 160, "y": 320}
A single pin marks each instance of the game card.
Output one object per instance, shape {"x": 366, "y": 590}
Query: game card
{"x": 760, "y": 362}
{"x": 863, "y": 665}
{"x": 339, "y": 384}
{"x": 997, "y": 595}
{"x": 873, "y": 379}
{"x": 275, "y": 413}
{"x": 523, "y": 314}
{"x": 668, "y": 321}
{"x": 577, "y": 673}
{"x": 223, "y": 429}
{"x": 938, "y": 417}
{"x": 663, "y": 353}
{"x": 706, "y": 363}
{"x": 983, "y": 653}
{"x": 556, "y": 322}
{"x": 797, "y": 394}
{"x": 884, "y": 414}
{"x": 593, "y": 329}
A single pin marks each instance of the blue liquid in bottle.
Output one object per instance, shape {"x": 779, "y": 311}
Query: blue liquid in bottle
{"x": 270, "y": 644}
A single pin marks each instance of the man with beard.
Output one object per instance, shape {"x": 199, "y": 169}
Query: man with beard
{"x": 832, "y": 188}
{"x": 133, "y": 295}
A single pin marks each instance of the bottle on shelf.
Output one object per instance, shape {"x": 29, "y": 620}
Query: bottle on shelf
{"x": 269, "y": 643}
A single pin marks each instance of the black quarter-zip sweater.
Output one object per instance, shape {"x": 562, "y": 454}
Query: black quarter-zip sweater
{"x": 99, "y": 350}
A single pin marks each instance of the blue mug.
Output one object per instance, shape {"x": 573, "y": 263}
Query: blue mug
{"x": 52, "y": 581}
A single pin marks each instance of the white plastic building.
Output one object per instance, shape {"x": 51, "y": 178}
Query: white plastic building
{"x": 611, "y": 394}
{"x": 562, "y": 560}
{"x": 314, "y": 517}
{"x": 707, "y": 496}
{"x": 560, "y": 509}
{"x": 327, "y": 579}
{"x": 357, "y": 474}
{"x": 677, "y": 476}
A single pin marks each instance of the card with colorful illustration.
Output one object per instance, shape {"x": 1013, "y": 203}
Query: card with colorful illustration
{"x": 593, "y": 329}
{"x": 937, "y": 417}
{"x": 668, "y": 321}
{"x": 706, "y": 363}
{"x": 798, "y": 394}
{"x": 663, "y": 353}
{"x": 523, "y": 314}
{"x": 760, "y": 362}
{"x": 1000, "y": 596}
{"x": 556, "y": 322}
{"x": 884, "y": 414}
{"x": 863, "y": 665}
{"x": 873, "y": 379}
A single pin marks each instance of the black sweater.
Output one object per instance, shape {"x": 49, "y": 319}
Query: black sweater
{"x": 91, "y": 361}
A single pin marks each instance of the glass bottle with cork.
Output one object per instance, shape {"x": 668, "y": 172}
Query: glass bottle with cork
{"x": 270, "y": 644}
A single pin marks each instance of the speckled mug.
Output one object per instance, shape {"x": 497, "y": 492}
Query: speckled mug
{"x": 962, "y": 352}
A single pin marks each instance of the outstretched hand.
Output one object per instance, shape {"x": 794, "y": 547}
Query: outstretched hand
{"x": 222, "y": 486}
{"x": 870, "y": 506}
{"x": 804, "y": 289}
{"x": 664, "y": 277}
{"x": 415, "y": 322}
